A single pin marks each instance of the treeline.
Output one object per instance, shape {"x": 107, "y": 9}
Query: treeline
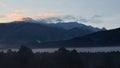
{"x": 62, "y": 58}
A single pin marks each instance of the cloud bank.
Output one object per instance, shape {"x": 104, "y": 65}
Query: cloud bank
{"x": 46, "y": 15}
{"x": 22, "y": 11}
{"x": 3, "y": 4}
{"x": 2, "y": 21}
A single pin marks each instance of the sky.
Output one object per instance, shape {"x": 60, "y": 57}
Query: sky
{"x": 98, "y": 13}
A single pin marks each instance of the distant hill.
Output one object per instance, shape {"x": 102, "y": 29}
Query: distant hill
{"x": 27, "y": 32}
{"x": 101, "y": 38}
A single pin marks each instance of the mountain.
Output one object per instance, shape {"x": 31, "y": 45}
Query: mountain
{"x": 65, "y": 22}
{"x": 72, "y": 25}
{"x": 18, "y": 33}
{"x": 101, "y": 38}
{"x": 23, "y": 32}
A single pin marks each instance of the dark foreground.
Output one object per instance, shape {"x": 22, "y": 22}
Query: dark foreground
{"x": 62, "y": 58}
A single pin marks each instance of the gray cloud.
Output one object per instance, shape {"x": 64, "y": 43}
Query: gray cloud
{"x": 2, "y": 4}
{"x": 83, "y": 20}
{"x": 93, "y": 19}
{"x": 71, "y": 18}
{"x": 2, "y": 16}
{"x": 96, "y": 19}
{"x": 96, "y": 16}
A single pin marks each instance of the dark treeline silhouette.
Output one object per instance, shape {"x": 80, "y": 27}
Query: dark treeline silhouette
{"x": 62, "y": 58}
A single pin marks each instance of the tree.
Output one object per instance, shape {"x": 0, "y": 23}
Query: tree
{"x": 25, "y": 56}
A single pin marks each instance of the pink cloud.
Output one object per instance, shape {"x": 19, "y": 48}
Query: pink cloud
{"x": 2, "y": 21}
{"x": 20, "y": 17}
{"x": 47, "y": 15}
{"x": 22, "y": 11}
{"x": 14, "y": 16}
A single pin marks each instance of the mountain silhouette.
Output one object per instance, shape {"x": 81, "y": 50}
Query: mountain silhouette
{"x": 28, "y": 32}
{"x": 98, "y": 39}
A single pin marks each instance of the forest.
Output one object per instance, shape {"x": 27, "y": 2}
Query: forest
{"x": 62, "y": 58}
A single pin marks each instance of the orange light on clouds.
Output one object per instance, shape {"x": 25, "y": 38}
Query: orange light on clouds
{"x": 2, "y": 21}
{"x": 47, "y": 15}
{"x": 22, "y": 11}
{"x": 18, "y": 16}
{"x": 14, "y": 16}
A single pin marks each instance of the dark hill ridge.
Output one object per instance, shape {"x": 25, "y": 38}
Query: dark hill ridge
{"x": 72, "y": 25}
{"x": 101, "y": 38}
{"x": 21, "y": 32}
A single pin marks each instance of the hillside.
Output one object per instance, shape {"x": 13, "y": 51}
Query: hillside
{"x": 101, "y": 38}
{"x": 21, "y": 32}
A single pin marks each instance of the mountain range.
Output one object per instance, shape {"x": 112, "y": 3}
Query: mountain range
{"x": 18, "y": 33}
{"x": 97, "y": 39}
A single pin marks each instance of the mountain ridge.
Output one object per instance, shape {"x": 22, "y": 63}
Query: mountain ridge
{"x": 98, "y": 39}
{"x": 22, "y": 32}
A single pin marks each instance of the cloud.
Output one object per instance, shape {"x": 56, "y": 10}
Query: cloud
{"x": 2, "y": 16}
{"x": 2, "y": 21}
{"x": 3, "y": 4}
{"x": 83, "y": 20}
{"x": 93, "y": 19}
{"x": 70, "y": 18}
{"x": 112, "y": 21}
{"x": 11, "y": 17}
{"x": 18, "y": 16}
{"x": 46, "y": 15}
{"x": 14, "y": 16}
{"x": 22, "y": 11}
{"x": 112, "y": 18}
{"x": 96, "y": 19}
{"x": 96, "y": 16}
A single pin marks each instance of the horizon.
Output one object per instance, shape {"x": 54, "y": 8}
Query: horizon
{"x": 90, "y": 12}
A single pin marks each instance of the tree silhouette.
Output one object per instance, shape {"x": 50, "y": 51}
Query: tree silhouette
{"x": 62, "y": 58}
